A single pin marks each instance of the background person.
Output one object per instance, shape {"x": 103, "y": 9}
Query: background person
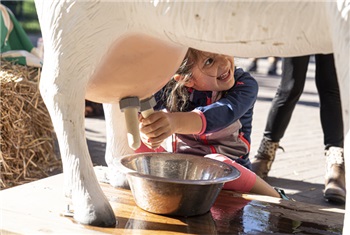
{"x": 288, "y": 93}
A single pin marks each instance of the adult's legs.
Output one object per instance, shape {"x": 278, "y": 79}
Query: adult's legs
{"x": 288, "y": 93}
{"x": 332, "y": 125}
{"x": 330, "y": 104}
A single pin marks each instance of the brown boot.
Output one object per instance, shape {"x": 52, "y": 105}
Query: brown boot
{"x": 261, "y": 164}
{"x": 335, "y": 175}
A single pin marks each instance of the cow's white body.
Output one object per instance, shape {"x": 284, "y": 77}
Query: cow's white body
{"x": 92, "y": 49}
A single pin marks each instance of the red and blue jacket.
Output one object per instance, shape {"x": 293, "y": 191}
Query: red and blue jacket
{"x": 227, "y": 122}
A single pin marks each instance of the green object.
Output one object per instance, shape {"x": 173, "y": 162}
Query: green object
{"x": 15, "y": 43}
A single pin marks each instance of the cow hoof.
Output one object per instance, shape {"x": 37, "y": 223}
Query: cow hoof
{"x": 115, "y": 177}
{"x": 118, "y": 180}
{"x": 104, "y": 218}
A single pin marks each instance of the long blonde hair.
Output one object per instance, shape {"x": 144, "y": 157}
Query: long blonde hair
{"x": 176, "y": 93}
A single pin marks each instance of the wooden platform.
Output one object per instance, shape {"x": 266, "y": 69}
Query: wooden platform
{"x": 36, "y": 208}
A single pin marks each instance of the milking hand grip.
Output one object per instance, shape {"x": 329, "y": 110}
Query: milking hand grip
{"x": 147, "y": 106}
{"x": 131, "y": 106}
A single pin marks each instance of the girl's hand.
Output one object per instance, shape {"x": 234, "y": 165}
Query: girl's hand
{"x": 156, "y": 128}
{"x": 160, "y": 125}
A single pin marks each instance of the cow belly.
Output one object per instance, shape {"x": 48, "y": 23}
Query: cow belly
{"x": 135, "y": 65}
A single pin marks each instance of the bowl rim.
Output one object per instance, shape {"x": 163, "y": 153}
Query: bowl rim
{"x": 234, "y": 174}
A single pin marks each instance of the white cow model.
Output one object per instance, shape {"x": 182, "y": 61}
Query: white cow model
{"x": 108, "y": 50}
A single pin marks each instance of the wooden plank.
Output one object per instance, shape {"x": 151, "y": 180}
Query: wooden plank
{"x": 36, "y": 208}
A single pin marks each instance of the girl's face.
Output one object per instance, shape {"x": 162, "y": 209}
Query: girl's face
{"x": 213, "y": 72}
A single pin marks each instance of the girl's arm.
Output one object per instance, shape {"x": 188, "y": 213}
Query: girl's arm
{"x": 235, "y": 103}
{"x": 160, "y": 125}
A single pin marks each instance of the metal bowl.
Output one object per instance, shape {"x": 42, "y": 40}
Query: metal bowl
{"x": 176, "y": 184}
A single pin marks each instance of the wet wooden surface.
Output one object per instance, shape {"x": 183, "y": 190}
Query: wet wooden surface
{"x": 38, "y": 207}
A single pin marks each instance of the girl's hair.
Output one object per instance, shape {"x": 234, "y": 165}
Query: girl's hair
{"x": 175, "y": 92}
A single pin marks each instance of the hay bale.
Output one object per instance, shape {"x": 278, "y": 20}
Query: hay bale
{"x": 27, "y": 137}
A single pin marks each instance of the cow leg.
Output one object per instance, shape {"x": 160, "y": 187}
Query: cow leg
{"x": 65, "y": 104}
{"x": 116, "y": 144}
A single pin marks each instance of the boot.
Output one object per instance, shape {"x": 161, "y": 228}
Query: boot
{"x": 264, "y": 158}
{"x": 335, "y": 175}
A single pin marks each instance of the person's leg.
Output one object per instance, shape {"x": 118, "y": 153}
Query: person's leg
{"x": 332, "y": 126}
{"x": 248, "y": 181}
{"x": 253, "y": 65}
{"x": 272, "y": 70}
{"x": 288, "y": 93}
{"x": 330, "y": 104}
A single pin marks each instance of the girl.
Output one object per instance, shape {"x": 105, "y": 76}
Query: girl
{"x": 209, "y": 106}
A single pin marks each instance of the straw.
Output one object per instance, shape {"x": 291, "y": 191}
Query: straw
{"x": 26, "y": 133}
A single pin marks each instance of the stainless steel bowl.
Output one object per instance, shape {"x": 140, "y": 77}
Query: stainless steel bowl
{"x": 176, "y": 184}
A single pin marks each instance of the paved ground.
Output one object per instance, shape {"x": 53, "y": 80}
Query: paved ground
{"x": 300, "y": 169}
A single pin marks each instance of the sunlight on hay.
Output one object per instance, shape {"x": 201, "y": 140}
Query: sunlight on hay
{"x": 27, "y": 137}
